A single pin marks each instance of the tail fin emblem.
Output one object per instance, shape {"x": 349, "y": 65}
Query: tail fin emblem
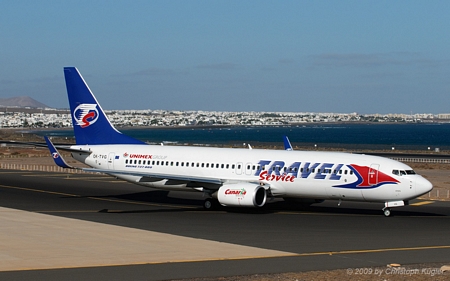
{"x": 85, "y": 114}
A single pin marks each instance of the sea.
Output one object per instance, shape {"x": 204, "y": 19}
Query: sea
{"x": 398, "y": 136}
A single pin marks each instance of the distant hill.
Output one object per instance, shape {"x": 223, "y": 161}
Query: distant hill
{"x": 21, "y": 102}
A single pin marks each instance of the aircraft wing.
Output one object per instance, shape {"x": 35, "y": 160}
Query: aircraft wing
{"x": 158, "y": 176}
{"x": 38, "y": 144}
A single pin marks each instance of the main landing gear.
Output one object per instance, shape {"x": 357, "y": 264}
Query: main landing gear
{"x": 210, "y": 204}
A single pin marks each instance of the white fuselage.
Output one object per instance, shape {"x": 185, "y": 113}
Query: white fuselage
{"x": 289, "y": 174}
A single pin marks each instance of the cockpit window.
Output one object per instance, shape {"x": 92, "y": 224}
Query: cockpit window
{"x": 403, "y": 173}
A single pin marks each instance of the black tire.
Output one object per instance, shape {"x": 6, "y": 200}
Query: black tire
{"x": 209, "y": 204}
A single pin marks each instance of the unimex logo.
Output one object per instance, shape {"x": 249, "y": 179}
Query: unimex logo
{"x": 141, "y": 156}
{"x": 138, "y": 156}
{"x": 85, "y": 114}
{"x": 237, "y": 192}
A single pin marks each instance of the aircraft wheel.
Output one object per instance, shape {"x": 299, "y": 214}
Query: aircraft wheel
{"x": 209, "y": 204}
{"x": 387, "y": 212}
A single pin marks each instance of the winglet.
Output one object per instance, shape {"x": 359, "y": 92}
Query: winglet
{"x": 56, "y": 156}
{"x": 287, "y": 143}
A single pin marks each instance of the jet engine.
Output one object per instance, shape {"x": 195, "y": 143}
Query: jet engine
{"x": 242, "y": 195}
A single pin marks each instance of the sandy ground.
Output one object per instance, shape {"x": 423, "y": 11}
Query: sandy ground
{"x": 395, "y": 272}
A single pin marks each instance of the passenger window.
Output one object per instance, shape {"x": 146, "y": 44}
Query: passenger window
{"x": 203, "y": 165}
{"x": 182, "y": 164}
{"x": 239, "y": 166}
{"x": 351, "y": 172}
{"x": 345, "y": 172}
{"x": 233, "y": 166}
{"x": 207, "y": 165}
{"x": 228, "y": 166}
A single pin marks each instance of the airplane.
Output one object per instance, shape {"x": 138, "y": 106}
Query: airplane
{"x": 231, "y": 177}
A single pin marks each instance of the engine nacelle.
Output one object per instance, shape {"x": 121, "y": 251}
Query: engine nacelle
{"x": 242, "y": 195}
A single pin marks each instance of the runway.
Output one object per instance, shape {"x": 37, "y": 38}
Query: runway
{"x": 60, "y": 226}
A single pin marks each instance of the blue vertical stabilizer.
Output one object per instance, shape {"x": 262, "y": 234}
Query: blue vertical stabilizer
{"x": 90, "y": 124}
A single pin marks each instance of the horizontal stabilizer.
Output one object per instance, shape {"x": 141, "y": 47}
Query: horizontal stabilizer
{"x": 56, "y": 156}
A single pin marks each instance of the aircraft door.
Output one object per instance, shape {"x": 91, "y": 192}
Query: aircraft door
{"x": 111, "y": 158}
{"x": 373, "y": 174}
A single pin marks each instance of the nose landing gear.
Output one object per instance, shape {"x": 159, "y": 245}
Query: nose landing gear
{"x": 387, "y": 212}
{"x": 392, "y": 204}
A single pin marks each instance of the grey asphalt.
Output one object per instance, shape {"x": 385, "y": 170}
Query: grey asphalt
{"x": 324, "y": 236}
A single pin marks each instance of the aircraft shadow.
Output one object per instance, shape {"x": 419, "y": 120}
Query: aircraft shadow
{"x": 178, "y": 204}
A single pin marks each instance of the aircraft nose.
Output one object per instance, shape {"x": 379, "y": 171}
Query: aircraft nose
{"x": 423, "y": 186}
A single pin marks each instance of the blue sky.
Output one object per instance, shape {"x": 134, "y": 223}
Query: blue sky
{"x": 306, "y": 56}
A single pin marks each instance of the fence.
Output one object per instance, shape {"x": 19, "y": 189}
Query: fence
{"x": 42, "y": 168}
{"x": 437, "y": 193}
{"x": 422, "y": 160}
